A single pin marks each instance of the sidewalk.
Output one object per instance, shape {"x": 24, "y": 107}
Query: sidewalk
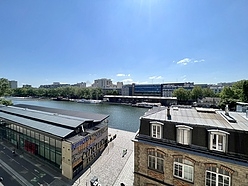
{"x": 112, "y": 168}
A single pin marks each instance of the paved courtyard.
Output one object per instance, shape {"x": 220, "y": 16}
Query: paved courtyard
{"x": 115, "y": 165}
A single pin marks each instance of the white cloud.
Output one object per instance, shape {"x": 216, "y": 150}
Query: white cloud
{"x": 123, "y": 75}
{"x": 127, "y": 81}
{"x": 120, "y": 75}
{"x": 186, "y": 61}
{"x": 155, "y": 77}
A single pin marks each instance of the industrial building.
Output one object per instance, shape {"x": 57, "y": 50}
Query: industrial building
{"x": 68, "y": 140}
{"x": 191, "y": 146}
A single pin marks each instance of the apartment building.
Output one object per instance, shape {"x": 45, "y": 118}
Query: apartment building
{"x": 191, "y": 146}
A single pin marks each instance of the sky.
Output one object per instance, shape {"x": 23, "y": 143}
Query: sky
{"x": 129, "y": 41}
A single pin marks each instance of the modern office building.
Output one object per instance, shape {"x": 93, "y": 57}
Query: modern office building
{"x": 169, "y": 88}
{"x": 191, "y": 146}
{"x": 68, "y": 140}
{"x": 141, "y": 90}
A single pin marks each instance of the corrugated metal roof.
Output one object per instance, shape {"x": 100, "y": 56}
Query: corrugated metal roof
{"x": 85, "y": 115}
{"x": 52, "y": 129}
{"x": 193, "y": 117}
{"x": 68, "y": 121}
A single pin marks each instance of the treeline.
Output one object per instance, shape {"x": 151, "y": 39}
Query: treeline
{"x": 229, "y": 95}
{"x": 68, "y": 92}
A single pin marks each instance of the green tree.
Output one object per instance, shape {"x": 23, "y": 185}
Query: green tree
{"x": 207, "y": 92}
{"x": 245, "y": 91}
{"x": 181, "y": 94}
{"x": 196, "y": 93}
{"x": 227, "y": 93}
{"x": 4, "y": 86}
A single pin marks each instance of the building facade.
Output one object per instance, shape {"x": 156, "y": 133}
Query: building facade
{"x": 68, "y": 140}
{"x": 13, "y": 84}
{"x": 102, "y": 83}
{"x": 169, "y": 88}
{"x": 191, "y": 146}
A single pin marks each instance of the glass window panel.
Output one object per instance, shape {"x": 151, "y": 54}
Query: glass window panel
{"x": 41, "y": 137}
{"x": 58, "y": 159}
{"x": 21, "y": 129}
{"x": 41, "y": 150}
{"x": 37, "y": 136}
{"x": 52, "y": 142}
{"x": 32, "y": 134}
{"x": 17, "y": 128}
{"x": 46, "y": 139}
{"x": 58, "y": 144}
{"x": 52, "y": 155}
{"x": 47, "y": 153}
{"x": 28, "y": 132}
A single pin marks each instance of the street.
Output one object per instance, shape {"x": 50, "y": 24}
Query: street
{"x": 25, "y": 172}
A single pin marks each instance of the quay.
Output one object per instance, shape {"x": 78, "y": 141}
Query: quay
{"x": 116, "y": 164}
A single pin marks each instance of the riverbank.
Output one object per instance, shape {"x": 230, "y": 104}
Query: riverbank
{"x": 116, "y": 164}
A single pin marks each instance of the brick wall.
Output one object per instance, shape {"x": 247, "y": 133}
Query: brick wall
{"x": 144, "y": 176}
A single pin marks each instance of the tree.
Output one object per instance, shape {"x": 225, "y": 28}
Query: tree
{"x": 196, "y": 93}
{"x": 245, "y": 91}
{"x": 4, "y": 86}
{"x": 207, "y": 92}
{"x": 181, "y": 94}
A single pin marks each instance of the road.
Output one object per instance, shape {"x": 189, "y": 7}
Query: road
{"x": 21, "y": 169}
{"x": 8, "y": 179}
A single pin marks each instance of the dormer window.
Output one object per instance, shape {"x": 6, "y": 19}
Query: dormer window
{"x": 184, "y": 134}
{"x": 218, "y": 140}
{"x": 156, "y": 129}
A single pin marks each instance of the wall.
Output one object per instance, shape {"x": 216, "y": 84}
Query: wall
{"x": 67, "y": 160}
{"x": 142, "y": 173}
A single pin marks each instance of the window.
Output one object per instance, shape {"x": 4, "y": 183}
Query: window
{"x": 217, "y": 176}
{"x": 183, "y": 169}
{"x": 155, "y": 160}
{"x": 184, "y": 134}
{"x": 218, "y": 140}
{"x": 156, "y": 128}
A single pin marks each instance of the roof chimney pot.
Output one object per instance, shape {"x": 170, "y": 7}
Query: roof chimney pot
{"x": 168, "y": 113}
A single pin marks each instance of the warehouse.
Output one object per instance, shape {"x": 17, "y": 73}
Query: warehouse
{"x": 68, "y": 140}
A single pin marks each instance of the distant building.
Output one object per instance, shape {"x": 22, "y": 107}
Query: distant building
{"x": 26, "y": 86}
{"x": 242, "y": 107}
{"x": 55, "y": 85}
{"x": 216, "y": 88}
{"x": 13, "y": 84}
{"x": 102, "y": 83}
{"x": 119, "y": 85}
{"x": 141, "y": 90}
{"x": 187, "y": 146}
{"x": 169, "y": 88}
{"x": 81, "y": 85}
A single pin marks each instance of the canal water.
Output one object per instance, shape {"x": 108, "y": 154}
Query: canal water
{"x": 121, "y": 117}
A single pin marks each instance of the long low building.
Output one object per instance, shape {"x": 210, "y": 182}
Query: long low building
{"x": 69, "y": 140}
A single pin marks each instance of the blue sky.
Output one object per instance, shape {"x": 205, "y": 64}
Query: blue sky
{"x": 133, "y": 41}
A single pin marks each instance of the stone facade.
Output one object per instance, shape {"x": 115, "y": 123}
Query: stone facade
{"x": 146, "y": 177}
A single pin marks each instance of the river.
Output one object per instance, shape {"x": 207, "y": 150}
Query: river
{"x": 121, "y": 117}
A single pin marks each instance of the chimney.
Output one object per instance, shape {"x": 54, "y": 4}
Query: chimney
{"x": 226, "y": 110}
{"x": 168, "y": 113}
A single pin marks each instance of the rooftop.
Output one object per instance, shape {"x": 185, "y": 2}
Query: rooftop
{"x": 201, "y": 117}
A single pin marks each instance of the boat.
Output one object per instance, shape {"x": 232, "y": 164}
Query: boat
{"x": 146, "y": 105}
{"x": 89, "y": 101}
